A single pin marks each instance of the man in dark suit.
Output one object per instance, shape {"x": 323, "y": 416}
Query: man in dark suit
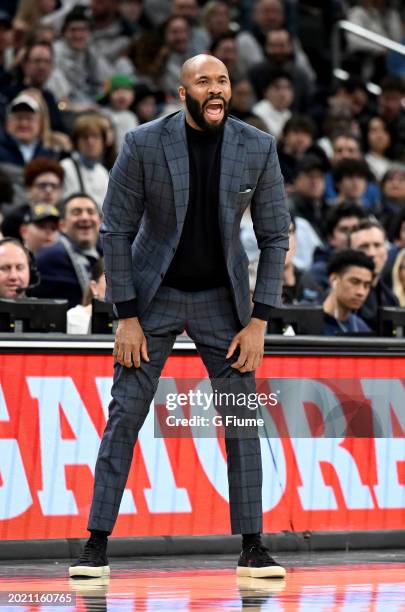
{"x": 174, "y": 261}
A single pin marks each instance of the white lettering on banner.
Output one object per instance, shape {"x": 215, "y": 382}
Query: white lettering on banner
{"x": 163, "y": 495}
{"x": 274, "y": 472}
{"x": 209, "y": 452}
{"x": 103, "y": 384}
{"x": 52, "y": 393}
{"x": 389, "y": 492}
{"x": 15, "y": 494}
{"x": 314, "y": 494}
{"x": 385, "y": 395}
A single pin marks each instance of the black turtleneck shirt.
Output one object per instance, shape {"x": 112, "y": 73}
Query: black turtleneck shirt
{"x": 199, "y": 263}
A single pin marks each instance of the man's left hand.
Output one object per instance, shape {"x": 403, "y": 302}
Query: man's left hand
{"x": 250, "y": 341}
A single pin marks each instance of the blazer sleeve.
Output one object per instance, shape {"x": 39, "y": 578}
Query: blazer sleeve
{"x": 122, "y": 212}
{"x": 271, "y": 221}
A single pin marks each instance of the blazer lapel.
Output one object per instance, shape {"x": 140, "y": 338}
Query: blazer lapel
{"x": 233, "y": 156}
{"x": 176, "y": 152}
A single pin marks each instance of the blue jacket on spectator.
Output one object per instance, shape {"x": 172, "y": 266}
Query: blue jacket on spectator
{"x": 58, "y": 276}
{"x": 370, "y": 200}
{"x": 11, "y": 154}
{"x": 353, "y": 325}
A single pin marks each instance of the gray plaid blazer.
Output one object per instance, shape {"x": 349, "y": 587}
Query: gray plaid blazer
{"x": 146, "y": 204}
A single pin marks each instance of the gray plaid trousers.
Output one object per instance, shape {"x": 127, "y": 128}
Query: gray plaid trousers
{"x": 210, "y": 319}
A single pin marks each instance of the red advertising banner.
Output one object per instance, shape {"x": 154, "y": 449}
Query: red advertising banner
{"x": 53, "y": 411}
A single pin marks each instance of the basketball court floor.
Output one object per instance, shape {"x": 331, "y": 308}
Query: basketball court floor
{"x": 319, "y": 581}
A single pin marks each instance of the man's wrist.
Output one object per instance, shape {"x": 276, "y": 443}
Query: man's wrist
{"x": 259, "y": 322}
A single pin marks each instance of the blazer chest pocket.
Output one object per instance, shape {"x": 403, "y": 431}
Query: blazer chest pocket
{"x": 244, "y": 196}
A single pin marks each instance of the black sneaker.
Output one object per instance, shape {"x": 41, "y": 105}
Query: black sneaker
{"x": 256, "y": 562}
{"x": 93, "y": 561}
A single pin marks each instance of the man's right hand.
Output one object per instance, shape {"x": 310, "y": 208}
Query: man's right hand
{"x": 130, "y": 343}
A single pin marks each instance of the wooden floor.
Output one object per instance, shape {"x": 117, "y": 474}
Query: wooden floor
{"x": 355, "y": 581}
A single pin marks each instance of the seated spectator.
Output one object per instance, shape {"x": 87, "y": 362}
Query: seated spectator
{"x": 79, "y": 317}
{"x": 307, "y": 198}
{"x": 292, "y": 274}
{"x": 309, "y": 207}
{"x": 347, "y": 146}
{"x": 111, "y": 33}
{"x": 14, "y": 268}
{"x": 146, "y": 105}
{"x": 268, "y": 16}
{"x": 83, "y": 170}
{"x": 390, "y": 107}
{"x": 84, "y": 70}
{"x": 190, "y": 10}
{"x": 224, "y": 48}
{"x": 43, "y": 180}
{"x": 378, "y": 147}
{"x": 21, "y": 141}
{"x": 297, "y": 137}
{"x": 40, "y": 227}
{"x": 65, "y": 266}
{"x": 58, "y": 142}
{"x": 340, "y": 220}
{"x": 242, "y": 100}
{"x": 274, "y": 108}
{"x": 149, "y": 54}
{"x": 350, "y": 274}
{"x": 393, "y": 195}
{"x": 216, "y": 19}
{"x": 36, "y": 69}
{"x": 398, "y": 277}
{"x": 117, "y": 100}
{"x": 369, "y": 237}
{"x": 351, "y": 94}
{"x": 350, "y": 177}
{"x": 176, "y": 34}
{"x": 338, "y": 121}
{"x": 280, "y": 56}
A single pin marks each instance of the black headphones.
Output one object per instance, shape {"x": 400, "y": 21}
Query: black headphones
{"x": 35, "y": 277}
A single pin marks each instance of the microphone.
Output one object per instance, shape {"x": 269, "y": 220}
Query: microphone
{"x": 20, "y": 290}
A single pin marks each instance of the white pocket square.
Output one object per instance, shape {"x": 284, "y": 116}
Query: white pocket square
{"x": 248, "y": 190}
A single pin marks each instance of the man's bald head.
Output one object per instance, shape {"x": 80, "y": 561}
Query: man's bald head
{"x": 197, "y": 64}
{"x": 206, "y": 91}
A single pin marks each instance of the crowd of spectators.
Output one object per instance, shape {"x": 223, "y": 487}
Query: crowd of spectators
{"x": 76, "y": 75}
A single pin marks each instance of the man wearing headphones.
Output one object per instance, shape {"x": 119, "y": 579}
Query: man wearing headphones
{"x": 17, "y": 269}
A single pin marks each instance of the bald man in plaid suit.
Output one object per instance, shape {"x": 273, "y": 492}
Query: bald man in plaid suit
{"x": 174, "y": 261}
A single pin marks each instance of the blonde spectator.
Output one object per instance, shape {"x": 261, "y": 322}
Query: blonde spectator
{"x": 398, "y": 277}
{"x": 57, "y": 141}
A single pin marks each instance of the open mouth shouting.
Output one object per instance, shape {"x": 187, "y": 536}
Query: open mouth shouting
{"x": 214, "y": 109}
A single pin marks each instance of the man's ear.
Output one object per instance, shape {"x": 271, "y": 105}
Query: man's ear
{"x": 333, "y": 279}
{"x": 182, "y": 93}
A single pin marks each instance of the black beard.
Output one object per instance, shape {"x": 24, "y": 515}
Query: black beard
{"x": 197, "y": 114}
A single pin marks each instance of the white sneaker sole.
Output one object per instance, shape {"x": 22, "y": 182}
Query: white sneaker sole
{"x": 273, "y": 571}
{"x": 90, "y": 572}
